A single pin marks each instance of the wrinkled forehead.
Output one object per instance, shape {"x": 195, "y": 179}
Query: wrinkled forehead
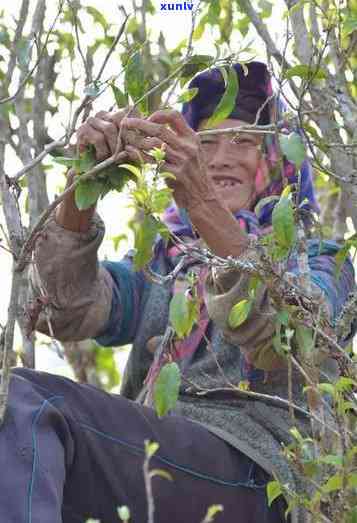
{"x": 229, "y": 123}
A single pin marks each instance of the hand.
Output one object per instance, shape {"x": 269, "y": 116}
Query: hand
{"x": 102, "y": 131}
{"x": 183, "y": 154}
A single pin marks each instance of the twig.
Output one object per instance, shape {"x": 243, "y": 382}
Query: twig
{"x": 74, "y": 10}
{"x": 39, "y": 58}
{"x": 112, "y": 48}
{"x": 65, "y": 140}
{"x": 8, "y": 344}
{"x": 30, "y": 242}
{"x": 189, "y": 51}
{"x": 148, "y": 489}
{"x": 266, "y": 398}
{"x": 47, "y": 150}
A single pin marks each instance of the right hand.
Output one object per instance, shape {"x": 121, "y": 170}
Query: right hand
{"x": 102, "y": 131}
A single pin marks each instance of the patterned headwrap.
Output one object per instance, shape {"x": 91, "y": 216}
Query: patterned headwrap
{"x": 255, "y": 90}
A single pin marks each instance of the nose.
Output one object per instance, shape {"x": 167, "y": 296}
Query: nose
{"x": 223, "y": 156}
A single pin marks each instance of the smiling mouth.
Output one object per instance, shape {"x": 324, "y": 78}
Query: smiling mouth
{"x": 226, "y": 182}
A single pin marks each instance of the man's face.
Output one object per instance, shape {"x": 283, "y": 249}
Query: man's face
{"x": 232, "y": 163}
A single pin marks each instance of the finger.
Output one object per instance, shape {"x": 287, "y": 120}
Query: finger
{"x": 153, "y": 130}
{"x": 135, "y": 155}
{"x": 128, "y": 112}
{"x": 175, "y": 120}
{"x": 109, "y": 129}
{"x": 89, "y": 136}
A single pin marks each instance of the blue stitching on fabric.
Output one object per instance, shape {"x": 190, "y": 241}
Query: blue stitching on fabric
{"x": 140, "y": 451}
{"x": 35, "y": 450}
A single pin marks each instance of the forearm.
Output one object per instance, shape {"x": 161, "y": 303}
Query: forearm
{"x": 69, "y": 216}
{"x": 218, "y": 228}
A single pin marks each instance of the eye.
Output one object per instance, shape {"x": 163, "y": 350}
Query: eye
{"x": 245, "y": 140}
{"x": 208, "y": 143}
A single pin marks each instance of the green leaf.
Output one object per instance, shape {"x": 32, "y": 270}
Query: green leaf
{"x": 293, "y": 148}
{"x": 212, "y": 511}
{"x": 283, "y": 222}
{"x": 124, "y": 513}
{"x": 342, "y": 254}
{"x": 132, "y": 168}
{"x": 182, "y": 314}
{"x": 87, "y": 159}
{"x": 161, "y": 473}
{"x": 160, "y": 200}
{"x": 266, "y": 8}
{"x": 345, "y": 384}
{"x": 306, "y": 72}
{"x": 326, "y": 388}
{"x": 253, "y": 286}
{"x": 263, "y": 202}
{"x": 62, "y": 160}
{"x": 227, "y": 102}
{"x": 166, "y": 389}
{"x": 134, "y": 80}
{"x": 145, "y": 235}
{"x": 98, "y": 17}
{"x": 121, "y": 99}
{"x": 133, "y": 25}
{"x": 352, "y": 480}
{"x": 304, "y": 338}
{"x": 296, "y": 435}
{"x": 239, "y": 313}
{"x": 349, "y": 25}
{"x": 118, "y": 239}
{"x": 283, "y": 317}
{"x": 352, "y": 516}
{"x": 87, "y": 193}
{"x": 106, "y": 367}
{"x": 117, "y": 177}
{"x": 195, "y": 64}
{"x": 92, "y": 90}
{"x": 188, "y": 95}
{"x": 23, "y": 47}
{"x": 273, "y": 491}
{"x": 336, "y": 461}
{"x": 200, "y": 28}
{"x": 66, "y": 42}
{"x": 334, "y": 483}
{"x": 151, "y": 447}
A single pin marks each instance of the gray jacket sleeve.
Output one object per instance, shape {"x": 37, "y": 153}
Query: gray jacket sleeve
{"x": 226, "y": 288}
{"x": 255, "y": 336}
{"x": 65, "y": 274}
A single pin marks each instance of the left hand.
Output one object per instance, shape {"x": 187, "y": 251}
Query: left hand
{"x": 183, "y": 154}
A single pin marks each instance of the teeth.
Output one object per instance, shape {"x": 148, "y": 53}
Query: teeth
{"x": 226, "y": 183}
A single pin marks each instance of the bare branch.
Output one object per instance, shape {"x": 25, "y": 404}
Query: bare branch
{"x": 39, "y": 58}
{"x": 18, "y": 34}
{"x": 112, "y": 48}
{"x": 8, "y": 344}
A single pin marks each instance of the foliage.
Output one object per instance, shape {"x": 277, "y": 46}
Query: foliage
{"x": 166, "y": 389}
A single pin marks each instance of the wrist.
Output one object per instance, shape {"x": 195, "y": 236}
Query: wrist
{"x": 67, "y": 214}
{"x": 218, "y": 227}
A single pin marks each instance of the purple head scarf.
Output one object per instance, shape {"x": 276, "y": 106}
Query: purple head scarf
{"x": 255, "y": 89}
